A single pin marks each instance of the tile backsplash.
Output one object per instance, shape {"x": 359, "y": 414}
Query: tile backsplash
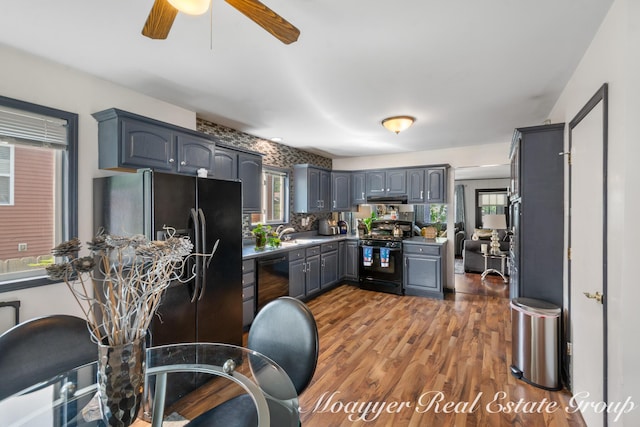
{"x": 276, "y": 155}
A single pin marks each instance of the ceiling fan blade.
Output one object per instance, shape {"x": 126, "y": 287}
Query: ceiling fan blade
{"x": 267, "y": 19}
{"x": 160, "y": 20}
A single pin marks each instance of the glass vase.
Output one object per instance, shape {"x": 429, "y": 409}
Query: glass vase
{"x": 121, "y": 381}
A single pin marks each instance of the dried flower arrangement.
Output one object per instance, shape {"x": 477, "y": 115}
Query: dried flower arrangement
{"x": 119, "y": 286}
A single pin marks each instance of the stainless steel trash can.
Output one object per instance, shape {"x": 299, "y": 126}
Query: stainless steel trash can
{"x": 535, "y": 342}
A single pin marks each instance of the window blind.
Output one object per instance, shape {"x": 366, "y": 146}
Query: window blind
{"x": 32, "y": 128}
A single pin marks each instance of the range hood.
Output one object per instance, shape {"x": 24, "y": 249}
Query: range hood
{"x": 387, "y": 200}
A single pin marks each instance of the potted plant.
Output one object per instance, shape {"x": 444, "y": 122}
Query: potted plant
{"x": 261, "y": 232}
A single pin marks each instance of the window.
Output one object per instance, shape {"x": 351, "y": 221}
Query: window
{"x": 6, "y": 174}
{"x": 275, "y": 198}
{"x": 38, "y": 189}
{"x": 491, "y": 202}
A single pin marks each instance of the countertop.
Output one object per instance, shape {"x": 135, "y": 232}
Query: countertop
{"x": 249, "y": 252}
{"x": 419, "y": 240}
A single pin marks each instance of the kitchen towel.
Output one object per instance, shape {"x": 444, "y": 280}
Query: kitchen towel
{"x": 384, "y": 257}
{"x": 367, "y": 256}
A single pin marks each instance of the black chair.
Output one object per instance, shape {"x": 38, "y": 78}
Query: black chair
{"x": 286, "y": 332}
{"x": 38, "y": 349}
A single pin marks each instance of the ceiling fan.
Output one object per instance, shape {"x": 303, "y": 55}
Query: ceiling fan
{"x": 164, "y": 12}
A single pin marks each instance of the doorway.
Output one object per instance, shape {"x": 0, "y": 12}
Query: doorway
{"x": 586, "y": 367}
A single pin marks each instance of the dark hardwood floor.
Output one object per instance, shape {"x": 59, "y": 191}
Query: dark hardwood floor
{"x": 423, "y": 362}
{"x": 470, "y": 283}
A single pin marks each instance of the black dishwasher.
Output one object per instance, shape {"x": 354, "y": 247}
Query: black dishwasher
{"x": 273, "y": 278}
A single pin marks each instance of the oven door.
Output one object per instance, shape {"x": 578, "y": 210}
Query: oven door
{"x": 379, "y": 278}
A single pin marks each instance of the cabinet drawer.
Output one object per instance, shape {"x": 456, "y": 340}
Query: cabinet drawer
{"x": 422, "y": 249}
{"x": 248, "y": 292}
{"x": 328, "y": 247}
{"x": 297, "y": 254}
{"x": 314, "y": 250}
{"x": 248, "y": 265}
{"x": 247, "y": 312}
{"x": 248, "y": 279}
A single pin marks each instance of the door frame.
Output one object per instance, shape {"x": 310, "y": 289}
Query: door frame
{"x": 600, "y": 96}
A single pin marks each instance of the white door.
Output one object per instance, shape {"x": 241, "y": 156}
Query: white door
{"x": 586, "y": 265}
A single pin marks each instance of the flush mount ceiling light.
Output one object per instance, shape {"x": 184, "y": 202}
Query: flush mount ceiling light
{"x": 398, "y": 123}
{"x": 191, "y": 7}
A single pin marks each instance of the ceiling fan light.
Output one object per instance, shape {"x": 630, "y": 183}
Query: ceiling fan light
{"x": 191, "y": 7}
{"x": 398, "y": 123}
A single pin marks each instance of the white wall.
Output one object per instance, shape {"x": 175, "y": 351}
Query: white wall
{"x": 38, "y": 81}
{"x": 488, "y": 154}
{"x": 613, "y": 58}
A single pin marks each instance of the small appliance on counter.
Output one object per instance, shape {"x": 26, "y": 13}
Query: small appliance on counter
{"x": 343, "y": 227}
{"x": 326, "y": 228}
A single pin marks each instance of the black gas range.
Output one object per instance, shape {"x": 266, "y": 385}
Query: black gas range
{"x": 380, "y": 256}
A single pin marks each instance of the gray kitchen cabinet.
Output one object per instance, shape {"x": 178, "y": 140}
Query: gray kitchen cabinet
{"x": 194, "y": 153}
{"x": 415, "y": 186}
{"x": 329, "y": 264}
{"x": 423, "y": 270}
{"x": 297, "y": 277}
{"x": 436, "y": 184}
{"x": 358, "y": 188}
{"x": 536, "y": 203}
{"x": 226, "y": 163}
{"x": 248, "y": 291}
{"x": 312, "y": 189}
{"x": 250, "y": 174}
{"x": 386, "y": 183}
{"x": 127, "y": 142}
{"x": 340, "y": 191}
{"x": 313, "y": 271}
{"x": 304, "y": 272}
{"x": 351, "y": 260}
{"x": 342, "y": 248}
{"x": 245, "y": 166}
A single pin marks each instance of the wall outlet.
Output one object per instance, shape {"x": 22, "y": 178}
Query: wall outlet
{"x": 22, "y": 247}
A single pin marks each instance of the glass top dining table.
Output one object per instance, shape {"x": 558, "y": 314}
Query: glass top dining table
{"x": 71, "y": 399}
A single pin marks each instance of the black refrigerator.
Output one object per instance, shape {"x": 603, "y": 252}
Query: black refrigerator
{"x": 209, "y": 307}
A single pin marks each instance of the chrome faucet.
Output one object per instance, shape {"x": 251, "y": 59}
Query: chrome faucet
{"x": 285, "y": 231}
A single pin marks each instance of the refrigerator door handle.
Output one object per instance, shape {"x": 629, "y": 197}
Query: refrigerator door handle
{"x": 196, "y": 230}
{"x": 202, "y": 259}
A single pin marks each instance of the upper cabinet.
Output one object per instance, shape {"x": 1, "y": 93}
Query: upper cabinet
{"x": 358, "y": 188}
{"x": 246, "y": 167}
{"x": 391, "y": 182}
{"x": 311, "y": 189}
{"x": 415, "y": 185}
{"x": 226, "y": 163}
{"x": 194, "y": 154}
{"x": 436, "y": 184}
{"x": 250, "y": 173}
{"x": 340, "y": 191}
{"x": 128, "y": 141}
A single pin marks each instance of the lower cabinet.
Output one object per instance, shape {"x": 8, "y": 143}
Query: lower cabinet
{"x": 304, "y": 272}
{"x": 351, "y": 260}
{"x": 248, "y": 291}
{"x": 423, "y": 270}
{"x": 329, "y": 264}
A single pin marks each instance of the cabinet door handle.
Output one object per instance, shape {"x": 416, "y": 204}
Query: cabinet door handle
{"x": 183, "y": 163}
{"x": 363, "y": 195}
{"x": 334, "y": 204}
{"x": 421, "y": 194}
{"x": 428, "y": 194}
{"x": 171, "y": 160}
{"x": 304, "y": 267}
